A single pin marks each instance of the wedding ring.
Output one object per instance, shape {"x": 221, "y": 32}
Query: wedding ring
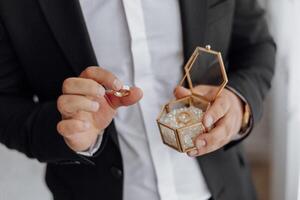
{"x": 184, "y": 117}
{"x": 125, "y": 91}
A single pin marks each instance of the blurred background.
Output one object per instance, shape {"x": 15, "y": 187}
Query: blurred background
{"x": 273, "y": 149}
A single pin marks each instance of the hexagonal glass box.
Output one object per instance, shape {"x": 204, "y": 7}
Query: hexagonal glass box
{"x": 180, "y": 121}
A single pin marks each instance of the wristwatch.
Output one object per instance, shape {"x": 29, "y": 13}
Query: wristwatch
{"x": 246, "y": 119}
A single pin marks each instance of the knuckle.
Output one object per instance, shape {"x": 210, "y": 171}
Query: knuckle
{"x": 92, "y": 85}
{"x": 77, "y": 126}
{"x": 67, "y": 84}
{"x": 60, "y": 127}
{"x": 61, "y": 102}
{"x": 68, "y": 128}
{"x": 109, "y": 76}
{"x": 90, "y": 71}
{"x": 65, "y": 104}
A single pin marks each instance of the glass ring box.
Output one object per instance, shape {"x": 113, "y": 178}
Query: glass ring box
{"x": 180, "y": 120}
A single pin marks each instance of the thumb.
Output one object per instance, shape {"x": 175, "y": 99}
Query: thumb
{"x": 134, "y": 96}
{"x": 180, "y": 92}
{"x": 204, "y": 90}
{"x": 207, "y": 91}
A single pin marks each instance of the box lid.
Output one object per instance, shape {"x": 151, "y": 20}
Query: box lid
{"x": 205, "y": 67}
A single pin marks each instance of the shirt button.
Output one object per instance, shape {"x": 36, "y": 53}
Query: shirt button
{"x": 116, "y": 172}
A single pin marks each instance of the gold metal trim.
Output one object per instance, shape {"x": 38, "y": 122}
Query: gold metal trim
{"x": 124, "y": 92}
{"x": 191, "y": 61}
{"x": 193, "y": 98}
{"x": 175, "y": 133}
{"x": 181, "y": 139}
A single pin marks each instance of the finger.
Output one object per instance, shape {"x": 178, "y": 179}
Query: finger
{"x": 102, "y": 76}
{"x": 214, "y": 140}
{"x": 69, "y": 105}
{"x": 135, "y": 95}
{"x": 216, "y": 111}
{"x": 181, "y": 92}
{"x": 77, "y": 134}
{"x": 207, "y": 91}
{"x": 71, "y": 127}
{"x": 81, "y": 142}
{"x": 83, "y": 86}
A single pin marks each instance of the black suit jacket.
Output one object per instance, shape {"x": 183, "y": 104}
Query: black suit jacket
{"x": 42, "y": 42}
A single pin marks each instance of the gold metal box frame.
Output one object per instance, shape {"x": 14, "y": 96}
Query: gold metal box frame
{"x": 194, "y": 99}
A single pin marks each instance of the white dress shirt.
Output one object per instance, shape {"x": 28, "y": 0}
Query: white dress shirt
{"x": 140, "y": 41}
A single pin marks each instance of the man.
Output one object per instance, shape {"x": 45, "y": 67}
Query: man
{"x": 57, "y": 109}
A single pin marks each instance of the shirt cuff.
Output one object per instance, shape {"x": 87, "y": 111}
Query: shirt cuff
{"x": 93, "y": 148}
{"x": 245, "y": 132}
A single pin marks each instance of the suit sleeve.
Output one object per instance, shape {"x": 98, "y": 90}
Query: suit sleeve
{"x": 25, "y": 125}
{"x": 251, "y": 56}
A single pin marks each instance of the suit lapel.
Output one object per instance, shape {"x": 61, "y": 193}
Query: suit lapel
{"x": 194, "y": 23}
{"x": 65, "y": 20}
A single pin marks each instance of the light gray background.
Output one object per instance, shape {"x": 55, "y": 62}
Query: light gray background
{"x": 21, "y": 178}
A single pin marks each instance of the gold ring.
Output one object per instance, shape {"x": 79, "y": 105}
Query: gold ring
{"x": 184, "y": 117}
{"x": 125, "y": 91}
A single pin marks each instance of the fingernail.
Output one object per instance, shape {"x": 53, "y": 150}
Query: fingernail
{"x": 193, "y": 153}
{"x": 208, "y": 121}
{"x": 117, "y": 84}
{"x": 101, "y": 91}
{"x": 200, "y": 144}
{"x": 95, "y": 106}
{"x": 86, "y": 125}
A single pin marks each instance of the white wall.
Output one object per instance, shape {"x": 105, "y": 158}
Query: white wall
{"x": 21, "y": 178}
{"x": 285, "y": 113}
